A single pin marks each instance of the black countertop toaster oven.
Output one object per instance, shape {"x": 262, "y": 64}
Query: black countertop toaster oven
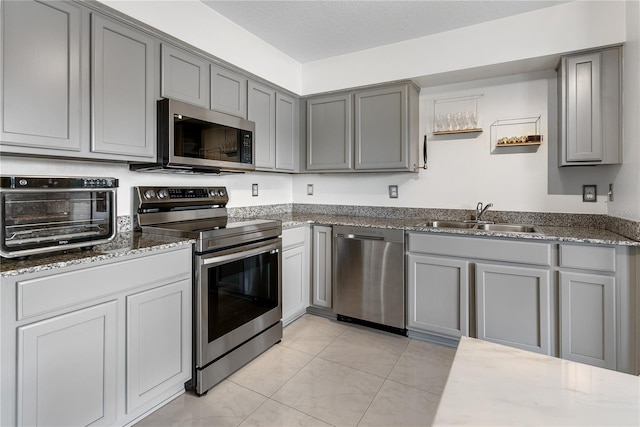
{"x": 40, "y": 214}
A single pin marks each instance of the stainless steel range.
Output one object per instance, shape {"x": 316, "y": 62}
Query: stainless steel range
{"x": 237, "y": 276}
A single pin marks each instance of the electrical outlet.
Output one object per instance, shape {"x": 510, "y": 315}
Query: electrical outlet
{"x": 254, "y": 190}
{"x": 309, "y": 189}
{"x": 589, "y": 193}
{"x": 393, "y": 191}
{"x": 610, "y": 193}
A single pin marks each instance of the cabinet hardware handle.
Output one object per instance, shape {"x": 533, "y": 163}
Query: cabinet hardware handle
{"x": 424, "y": 151}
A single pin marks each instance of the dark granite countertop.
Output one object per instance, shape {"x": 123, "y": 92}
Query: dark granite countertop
{"x": 548, "y": 233}
{"x": 126, "y": 243}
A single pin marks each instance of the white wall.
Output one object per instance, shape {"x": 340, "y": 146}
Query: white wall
{"x": 550, "y": 31}
{"x": 273, "y": 188}
{"x": 461, "y": 169}
{"x": 626, "y": 202}
{"x": 193, "y": 22}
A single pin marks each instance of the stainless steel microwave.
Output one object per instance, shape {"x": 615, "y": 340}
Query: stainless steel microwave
{"x": 192, "y": 138}
{"x": 40, "y": 214}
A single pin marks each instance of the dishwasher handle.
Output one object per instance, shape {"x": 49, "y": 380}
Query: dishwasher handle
{"x": 359, "y": 237}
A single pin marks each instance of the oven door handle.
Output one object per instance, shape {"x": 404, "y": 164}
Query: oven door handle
{"x": 220, "y": 259}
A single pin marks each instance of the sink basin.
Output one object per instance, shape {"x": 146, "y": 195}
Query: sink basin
{"x": 509, "y": 228}
{"x": 450, "y": 224}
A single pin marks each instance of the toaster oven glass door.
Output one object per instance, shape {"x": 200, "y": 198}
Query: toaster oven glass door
{"x": 38, "y": 219}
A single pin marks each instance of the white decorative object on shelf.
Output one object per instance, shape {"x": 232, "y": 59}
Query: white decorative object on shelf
{"x": 456, "y": 115}
{"x": 516, "y": 132}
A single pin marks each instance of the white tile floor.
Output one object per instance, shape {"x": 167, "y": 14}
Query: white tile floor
{"x": 323, "y": 373}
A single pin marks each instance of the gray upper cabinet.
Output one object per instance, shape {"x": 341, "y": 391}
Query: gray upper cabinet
{"x": 261, "y": 109}
{"x": 185, "y": 77}
{"x": 330, "y": 133}
{"x": 287, "y": 133}
{"x": 590, "y": 108}
{"x": 123, "y": 81}
{"x": 379, "y": 132}
{"x": 44, "y": 77}
{"x": 228, "y": 92}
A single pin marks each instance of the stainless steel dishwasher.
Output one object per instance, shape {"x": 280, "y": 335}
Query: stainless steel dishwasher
{"x": 368, "y": 282}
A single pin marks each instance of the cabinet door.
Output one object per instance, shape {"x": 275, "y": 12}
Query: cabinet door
{"x": 158, "y": 341}
{"x": 287, "y": 141}
{"x": 43, "y": 82}
{"x": 513, "y": 306}
{"x": 438, "y": 295}
{"x": 123, "y": 101}
{"x": 381, "y": 125}
{"x": 295, "y": 283}
{"x": 261, "y": 109}
{"x": 330, "y": 133}
{"x": 587, "y": 319}
{"x": 322, "y": 277}
{"x": 67, "y": 368}
{"x": 228, "y": 92}
{"x": 185, "y": 77}
{"x": 584, "y": 111}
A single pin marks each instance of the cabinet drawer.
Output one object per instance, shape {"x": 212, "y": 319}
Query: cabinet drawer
{"x": 293, "y": 237}
{"x": 50, "y": 293}
{"x": 524, "y": 252}
{"x": 602, "y": 258}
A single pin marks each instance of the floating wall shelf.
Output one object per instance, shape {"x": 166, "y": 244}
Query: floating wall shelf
{"x": 516, "y": 132}
{"x": 457, "y": 115}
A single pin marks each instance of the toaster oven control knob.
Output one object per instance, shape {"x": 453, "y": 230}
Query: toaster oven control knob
{"x": 149, "y": 194}
{"x": 163, "y": 193}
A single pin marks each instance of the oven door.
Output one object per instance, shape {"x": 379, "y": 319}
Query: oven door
{"x": 238, "y": 295}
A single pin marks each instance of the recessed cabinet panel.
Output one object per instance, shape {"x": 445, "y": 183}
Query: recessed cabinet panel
{"x": 228, "y": 92}
{"x": 42, "y": 75}
{"x": 587, "y": 319}
{"x": 185, "y": 77}
{"x": 261, "y": 109}
{"x": 67, "y": 369}
{"x": 287, "y": 142}
{"x": 123, "y": 102}
{"x": 381, "y": 129}
{"x": 322, "y": 266}
{"x": 513, "y": 306}
{"x": 329, "y": 133}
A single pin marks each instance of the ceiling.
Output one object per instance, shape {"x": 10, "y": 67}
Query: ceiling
{"x": 310, "y": 30}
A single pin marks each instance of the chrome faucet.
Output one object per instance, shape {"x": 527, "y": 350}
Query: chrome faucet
{"x": 480, "y": 210}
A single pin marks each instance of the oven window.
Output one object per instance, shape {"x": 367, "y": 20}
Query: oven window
{"x": 241, "y": 291}
{"x": 36, "y": 219}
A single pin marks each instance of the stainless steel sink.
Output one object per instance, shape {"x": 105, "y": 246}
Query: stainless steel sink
{"x": 509, "y": 228}
{"x": 450, "y": 224}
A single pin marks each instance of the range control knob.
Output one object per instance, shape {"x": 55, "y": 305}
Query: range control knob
{"x": 149, "y": 194}
{"x": 213, "y": 192}
{"x": 221, "y": 192}
{"x": 163, "y": 193}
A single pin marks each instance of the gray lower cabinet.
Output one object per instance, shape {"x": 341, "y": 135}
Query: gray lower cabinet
{"x": 185, "y": 77}
{"x": 45, "y": 81}
{"x": 123, "y": 104}
{"x": 514, "y": 306}
{"x": 590, "y": 108}
{"x": 330, "y": 133}
{"x": 295, "y": 273}
{"x": 369, "y": 130}
{"x": 322, "y": 275}
{"x": 99, "y": 343}
{"x": 438, "y": 295}
{"x": 228, "y": 92}
{"x": 67, "y": 369}
{"x": 587, "y": 318}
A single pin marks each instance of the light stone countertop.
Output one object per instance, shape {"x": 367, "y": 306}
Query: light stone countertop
{"x": 495, "y": 385}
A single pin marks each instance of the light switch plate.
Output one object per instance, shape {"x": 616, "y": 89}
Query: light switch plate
{"x": 589, "y": 193}
{"x": 393, "y": 191}
{"x": 254, "y": 190}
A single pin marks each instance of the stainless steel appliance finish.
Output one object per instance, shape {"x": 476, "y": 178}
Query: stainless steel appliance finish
{"x": 237, "y": 276}
{"x": 368, "y": 281}
{"x": 196, "y": 139}
{"x": 41, "y": 214}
